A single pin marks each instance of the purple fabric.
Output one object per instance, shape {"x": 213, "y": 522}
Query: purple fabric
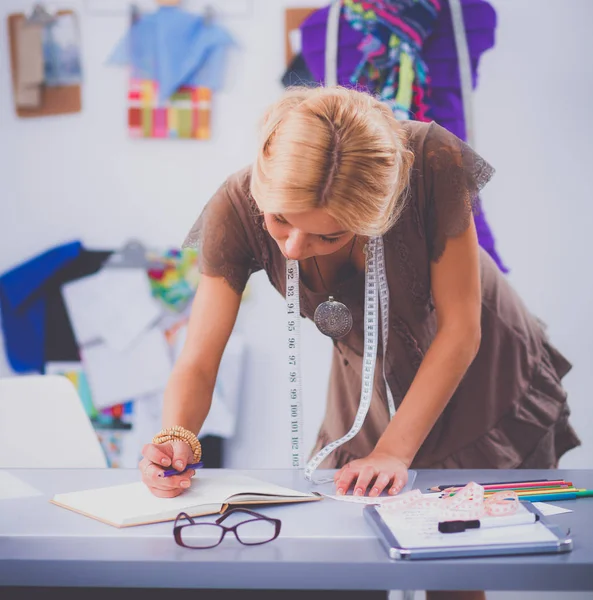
{"x": 446, "y": 105}
{"x": 440, "y": 55}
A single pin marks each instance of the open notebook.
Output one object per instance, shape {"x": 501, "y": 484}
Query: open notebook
{"x": 133, "y": 504}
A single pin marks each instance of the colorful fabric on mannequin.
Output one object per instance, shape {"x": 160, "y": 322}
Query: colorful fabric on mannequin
{"x": 392, "y": 64}
{"x": 440, "y": 55}
{"x": 185, "y": 115}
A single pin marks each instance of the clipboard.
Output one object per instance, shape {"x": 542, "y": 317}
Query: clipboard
{"x": 293, "y": 18}
{"x": 403, "y": 543}
{"x": 54, "y": 100}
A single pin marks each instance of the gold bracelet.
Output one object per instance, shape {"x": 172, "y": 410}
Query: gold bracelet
{"x": 177, "y": 432}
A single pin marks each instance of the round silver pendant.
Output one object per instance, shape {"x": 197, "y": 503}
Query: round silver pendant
{"x": 333, "y": 318}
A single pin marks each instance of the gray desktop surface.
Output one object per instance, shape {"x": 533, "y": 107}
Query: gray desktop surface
{"x": 322, "y": 545}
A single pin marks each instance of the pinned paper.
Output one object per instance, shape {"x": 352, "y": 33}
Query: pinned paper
{"x": 124, "y": 354}
{"x": 29, "y": 64}
{"x": 114, "y": 306}
{"x": 118, "y": 377}
{"x": 296, "y": 40}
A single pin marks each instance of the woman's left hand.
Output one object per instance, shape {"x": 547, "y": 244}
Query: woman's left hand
{"x": 378, "y": 468}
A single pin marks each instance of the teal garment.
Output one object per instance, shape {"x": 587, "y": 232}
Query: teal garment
{"x": 174, "y": 48}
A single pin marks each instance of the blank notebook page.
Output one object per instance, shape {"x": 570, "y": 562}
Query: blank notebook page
{"x": 133, "y": 502}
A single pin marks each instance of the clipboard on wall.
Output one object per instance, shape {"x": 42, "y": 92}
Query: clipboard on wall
{"x": 56, "y": 100}
{"x": 407, "y": 534}
{"x": 293, "y": 18}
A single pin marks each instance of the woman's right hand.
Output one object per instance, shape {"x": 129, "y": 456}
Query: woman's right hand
{"x": 158, "y": 458}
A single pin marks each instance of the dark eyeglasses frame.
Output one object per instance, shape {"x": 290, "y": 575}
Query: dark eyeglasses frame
{"x": 256, "y": 517}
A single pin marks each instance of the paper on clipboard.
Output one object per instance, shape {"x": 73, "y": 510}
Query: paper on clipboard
{"x": 412, "y": 534}
{"x": 418, "y": 528}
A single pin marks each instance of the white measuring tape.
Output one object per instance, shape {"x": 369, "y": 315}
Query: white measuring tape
{"x": 293, "y": 325}
{"x": 465, "y": 68}
{"x": 332, "y": 34}
{"x": 384, "y": 300}
{"x": 376, "y": 297}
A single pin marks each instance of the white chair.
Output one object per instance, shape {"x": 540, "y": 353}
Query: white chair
{"x": 43, "y": 424}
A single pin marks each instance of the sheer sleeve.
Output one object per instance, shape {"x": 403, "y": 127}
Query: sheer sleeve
{"x": 453, "y": 176}
{"x": 221, "y": 238}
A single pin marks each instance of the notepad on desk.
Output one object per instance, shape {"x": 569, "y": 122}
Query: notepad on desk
{"x": 134, "y": 504}
{"x": 413, "y": 533}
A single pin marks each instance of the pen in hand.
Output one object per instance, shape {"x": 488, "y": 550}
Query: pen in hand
{"x": 171, "y": 472}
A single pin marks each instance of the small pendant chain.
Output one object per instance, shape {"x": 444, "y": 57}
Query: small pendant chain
{"x": 332, "y": 318}
{"x": 319, "y": 270}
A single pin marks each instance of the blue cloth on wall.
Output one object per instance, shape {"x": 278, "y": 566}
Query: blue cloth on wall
{"x": 174, "y": 48}
{"x": 23, "y": 306}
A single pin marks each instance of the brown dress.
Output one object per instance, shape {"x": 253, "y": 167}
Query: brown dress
{"x": 509, "y": 410}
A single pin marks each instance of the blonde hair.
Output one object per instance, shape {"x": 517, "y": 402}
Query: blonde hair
{"x": 337, "y": 149}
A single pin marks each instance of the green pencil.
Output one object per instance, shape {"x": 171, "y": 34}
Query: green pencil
{"x": 556, "y": 497}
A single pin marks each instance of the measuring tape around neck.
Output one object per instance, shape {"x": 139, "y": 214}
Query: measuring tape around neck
{"x": 332, "y": 35}
{"x": 293, "y": 312}
{"x": 376, "y": 298}
{"x": 465, "y": 67}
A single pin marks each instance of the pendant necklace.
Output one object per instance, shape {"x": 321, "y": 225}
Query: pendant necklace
{"x": 333, "y": 318}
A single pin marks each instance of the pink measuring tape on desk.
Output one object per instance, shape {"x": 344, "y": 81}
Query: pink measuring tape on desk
{"x": 467, "y": 503}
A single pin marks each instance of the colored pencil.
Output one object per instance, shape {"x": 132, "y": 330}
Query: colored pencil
{"x": 440, "y": 488}
{"x": 518, "y": 485}
{"x": 532, "y": 490}
{"x": 557, "y": 497}
{"x": 527, "y": 487}
{"x": 171, "y": 472}
{"x": 543, "y": 492}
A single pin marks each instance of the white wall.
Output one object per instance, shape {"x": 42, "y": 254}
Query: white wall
{"x": 81, "y": 177}
{"x": 534, "y": 124}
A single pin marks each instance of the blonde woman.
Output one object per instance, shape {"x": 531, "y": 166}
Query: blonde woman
{"x": 475, "y": 381}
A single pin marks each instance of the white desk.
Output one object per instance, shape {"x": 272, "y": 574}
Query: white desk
{"x": 325, "y": 545}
